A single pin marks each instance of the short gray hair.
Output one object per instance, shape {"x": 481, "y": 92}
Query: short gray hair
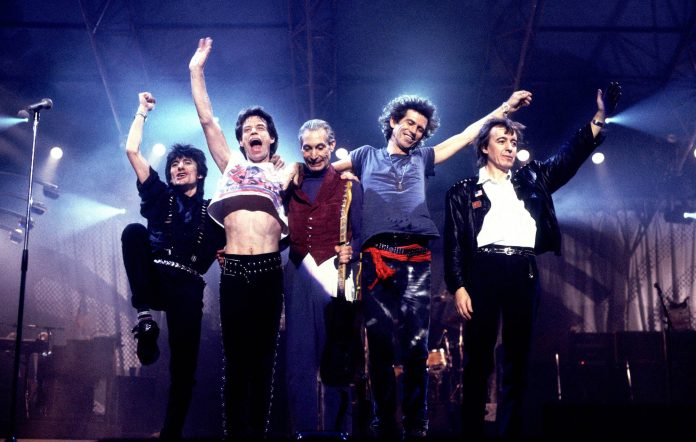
{"x": 317, "y": 124}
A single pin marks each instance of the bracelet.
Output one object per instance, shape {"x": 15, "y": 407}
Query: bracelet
{"x": 506, "y": 108}
{"x": 142, "y": 114}
{"x": 598, "y": 123}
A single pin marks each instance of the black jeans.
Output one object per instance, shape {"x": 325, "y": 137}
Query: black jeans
{"x": 502, "y": 286}
{"x": 251, "y": 300}
{"x": 180, "y": 295}
{"x": 397, "y": 319}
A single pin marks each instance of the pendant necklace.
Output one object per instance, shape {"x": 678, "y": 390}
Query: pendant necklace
{"x": 404, "y": 169}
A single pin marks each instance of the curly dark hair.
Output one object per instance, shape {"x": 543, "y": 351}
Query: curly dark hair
{"x": 188, "y": 151}
{"x": 258, "y": 112}
{"x": 397, "y": 109}
{"x": 481, "y": 140}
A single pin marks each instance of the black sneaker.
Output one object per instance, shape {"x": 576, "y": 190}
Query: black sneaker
{"x": 146, "y": 333}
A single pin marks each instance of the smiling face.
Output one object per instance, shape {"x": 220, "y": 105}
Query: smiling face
{"x": 184, "y": 173}
{"x": 501, "y": 149}
{"x": 256, "y": 140}
{"x": 408, "y": 131}
{"x": 316, "y": 149}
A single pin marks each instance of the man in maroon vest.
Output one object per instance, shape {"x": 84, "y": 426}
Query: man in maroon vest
{"x": 311, "y": 280}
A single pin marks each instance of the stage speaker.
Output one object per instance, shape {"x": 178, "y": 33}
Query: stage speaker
{"x": 641, "y": 362}
{"x": 592, "y": 372}
{"x": 681, "y": 349}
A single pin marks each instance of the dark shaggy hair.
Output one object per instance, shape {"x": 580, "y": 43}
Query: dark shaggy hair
{"x": 481, "y": 140}
{"x": 258, "y": 112}
{"x": 397, "y": 109}
{"x": 188, "y": 151}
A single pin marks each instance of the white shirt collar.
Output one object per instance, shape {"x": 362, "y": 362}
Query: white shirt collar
{"x": 485, "y": 176}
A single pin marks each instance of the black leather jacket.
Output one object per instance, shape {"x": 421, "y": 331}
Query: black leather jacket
{"x": 466, "y": 205}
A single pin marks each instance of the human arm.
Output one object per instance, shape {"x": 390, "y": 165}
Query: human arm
{"x": 214, "y": 137}
{"x": 556, "y": 171}
{"x": 606, "y": 105}
{"x": 454, "y": 144}
{"x": 343, "y": 165}
{"x": 462, "y": 302}
{"x": 146, "y": 103}
{"x": 457, "y": 247}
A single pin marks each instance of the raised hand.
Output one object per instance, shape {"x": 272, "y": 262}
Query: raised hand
{"x": 147, "y": 101}
{"x": 519, "y": 99}
{"x": 205, "y": 45}
{"x": 608, "y": 101}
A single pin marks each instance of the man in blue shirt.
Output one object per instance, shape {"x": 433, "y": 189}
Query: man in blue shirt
{"x": 396, "y": 231}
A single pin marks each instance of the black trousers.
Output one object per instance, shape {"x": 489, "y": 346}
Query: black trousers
{"x": 180, "y": 295}
{"x": 251, "y": 300}
{"x": 503, "y": 287}
{"x": 397, "y": 319}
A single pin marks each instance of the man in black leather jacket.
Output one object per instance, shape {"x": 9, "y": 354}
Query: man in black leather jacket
{"x": 495, "y": 224}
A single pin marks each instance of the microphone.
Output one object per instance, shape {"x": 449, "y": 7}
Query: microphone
{"x": 46, "y": 103}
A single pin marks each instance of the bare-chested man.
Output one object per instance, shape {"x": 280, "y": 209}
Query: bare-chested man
{"x": 248, "y": 203}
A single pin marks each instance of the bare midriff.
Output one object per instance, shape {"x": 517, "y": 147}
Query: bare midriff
{"x": 251, "y": 232}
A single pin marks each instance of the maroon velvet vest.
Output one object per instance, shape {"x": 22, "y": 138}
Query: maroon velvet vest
{"x": 314, "y": 227}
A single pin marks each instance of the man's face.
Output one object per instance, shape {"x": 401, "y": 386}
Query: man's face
{"x": 316, "y": 149}
{"x": 256, "y": 141}
{"x": 501, "y": 149}
{"x": 184, "y": 172}
{"x": 408, "y": 131}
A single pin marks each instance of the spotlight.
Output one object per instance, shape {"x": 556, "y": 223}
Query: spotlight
{"x": 598, "y": 157}
{"x": 679, "y": 214}
{"x": 523, "y": 155}
{"x": 23, "y": 222}
{"x": 22, "y": 219}
{"x": 38, "y": 207}
{"x": 694, "y": 152}
{"x": 159, "y": 149}
{"x": 16, "y": 235}
{"x": 341, "y": 153}
{"x": 56, "y": 153}
{"x": 50, "y": 191}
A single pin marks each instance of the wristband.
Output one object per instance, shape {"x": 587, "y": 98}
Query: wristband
{"x": 506, "y": 108}
{"x": 142, "y": 114}
{"x": 598, "y": 123}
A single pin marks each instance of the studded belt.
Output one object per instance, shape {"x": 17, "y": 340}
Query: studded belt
{"x": 176, "y": 265}
{"x": 507, "y": 250}
{"x": 246, "y": 266}
{"x": 409, "y": 252}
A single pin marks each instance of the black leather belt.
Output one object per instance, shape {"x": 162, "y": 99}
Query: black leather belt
{"x": 507, "y": 250}
{"x": 246, "y": 265}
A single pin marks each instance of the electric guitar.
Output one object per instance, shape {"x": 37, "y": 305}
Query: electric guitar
{"x": 343, "y": 238}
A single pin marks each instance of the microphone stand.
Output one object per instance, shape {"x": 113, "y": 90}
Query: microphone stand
{"x": 22, "y": 289}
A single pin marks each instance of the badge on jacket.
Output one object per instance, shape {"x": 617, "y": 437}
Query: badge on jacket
{"x": 476, "y": 204}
